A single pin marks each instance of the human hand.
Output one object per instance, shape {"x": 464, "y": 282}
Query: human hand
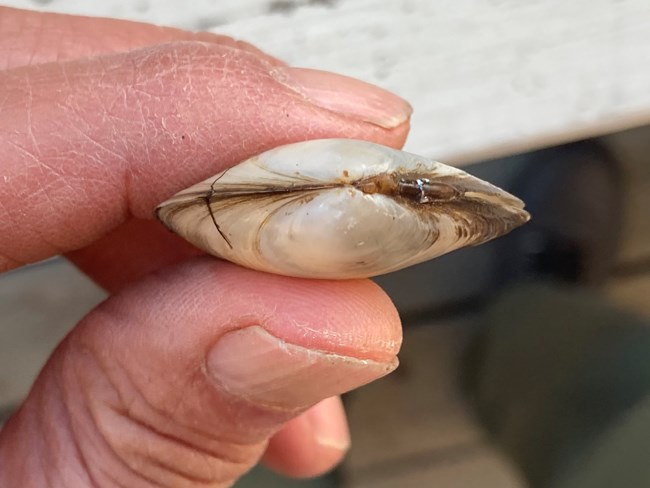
{"x": 194, "y": 368}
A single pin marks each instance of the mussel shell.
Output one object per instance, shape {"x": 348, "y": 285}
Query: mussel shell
{"x": 300, "y": 210}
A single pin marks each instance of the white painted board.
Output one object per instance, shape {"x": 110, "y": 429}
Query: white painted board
{"x": 486, "y": 77}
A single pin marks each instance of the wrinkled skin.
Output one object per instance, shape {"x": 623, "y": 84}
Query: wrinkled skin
{"x": 194, "y": 369}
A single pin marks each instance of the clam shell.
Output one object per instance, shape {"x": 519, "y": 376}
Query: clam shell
{"x": 339, "y": 209}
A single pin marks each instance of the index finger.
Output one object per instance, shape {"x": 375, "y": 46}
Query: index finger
{"x": 85, "y": 145}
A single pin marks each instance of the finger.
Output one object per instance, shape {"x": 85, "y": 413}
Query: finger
{"x": 86, "y": 145}
{"x": 311, "y": 444}
{"x": 28, "y": 37}
{"x": 184, "y": 377}
{"x": 131, "y": 251}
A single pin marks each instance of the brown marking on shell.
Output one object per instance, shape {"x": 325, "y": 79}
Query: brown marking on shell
{"x": 458, "y": 197}
{"x": 418, "y": 188}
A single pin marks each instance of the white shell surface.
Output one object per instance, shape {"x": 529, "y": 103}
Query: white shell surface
{"x": 294, "y": 210}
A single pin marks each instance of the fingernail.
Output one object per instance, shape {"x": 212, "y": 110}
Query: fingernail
{"x": 252, "y": 364}
{"x": 346, "y": 96}
{"x": 329, "y": 430}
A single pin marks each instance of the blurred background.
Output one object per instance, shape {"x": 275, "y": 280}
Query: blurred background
{"x": 526, "y": 361}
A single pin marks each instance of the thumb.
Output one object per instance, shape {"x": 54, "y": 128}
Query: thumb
{"x": 181, "y": 379}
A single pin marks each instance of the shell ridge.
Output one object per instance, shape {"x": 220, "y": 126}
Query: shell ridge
{"x": 265, "y": 221}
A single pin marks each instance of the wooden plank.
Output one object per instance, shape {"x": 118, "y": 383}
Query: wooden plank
{"x": 485, "y": 78}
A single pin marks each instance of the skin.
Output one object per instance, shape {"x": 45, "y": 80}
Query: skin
{"x": 165, "y": 384}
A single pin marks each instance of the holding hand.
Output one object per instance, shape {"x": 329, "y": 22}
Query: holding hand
{"x": 193, "y": 369}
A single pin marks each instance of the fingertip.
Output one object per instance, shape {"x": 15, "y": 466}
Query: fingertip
{"x": 397, "y": 136}
{"x": 354, "y": 318}
{"x": 348, "y": 97}
{"x": 312, "y": 444}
